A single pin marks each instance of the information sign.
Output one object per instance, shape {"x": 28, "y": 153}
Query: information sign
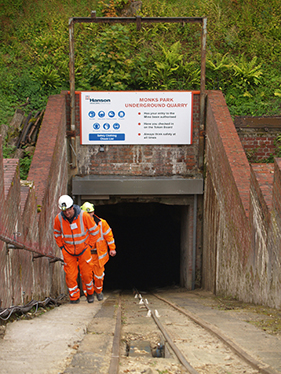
{"x": 141, "y": 117}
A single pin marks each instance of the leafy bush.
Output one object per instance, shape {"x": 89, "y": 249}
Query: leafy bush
{"x": 109, "y": 64}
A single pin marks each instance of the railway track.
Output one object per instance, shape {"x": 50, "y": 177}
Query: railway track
{"x": 154, "y": 335}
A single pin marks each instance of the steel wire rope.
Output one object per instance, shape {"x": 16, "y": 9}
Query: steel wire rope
{"x": 5, "y": 319}
{"x": 7, "y": 312}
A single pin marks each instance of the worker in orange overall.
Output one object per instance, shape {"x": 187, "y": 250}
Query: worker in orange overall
{"x": 100, "y": 254}
{"x": 76, "y": 233}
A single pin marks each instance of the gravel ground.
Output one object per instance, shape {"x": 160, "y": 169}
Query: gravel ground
{"x": 265, "y": 318}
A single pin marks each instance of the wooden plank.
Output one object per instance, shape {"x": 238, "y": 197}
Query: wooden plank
{"x": 269, "y": 122}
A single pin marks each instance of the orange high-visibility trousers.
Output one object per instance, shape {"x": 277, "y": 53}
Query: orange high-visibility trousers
{"x": 97, "y": 275}
{"x": 71, "y": 272}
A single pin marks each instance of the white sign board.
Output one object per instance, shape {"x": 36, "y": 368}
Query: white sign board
{"x": 142, "y": 117}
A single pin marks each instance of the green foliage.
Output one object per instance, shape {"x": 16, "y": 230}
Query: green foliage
{"x": 109, "y": 64}
{"x": 243, "y": 59}
{"x": 170, "y": 72}
{"x": 25, "y": 163}
{"x": 8, "y": 150}
{"x": 247, "y": 73}
{"x": 47, "y": 77}
{"x": 111, "y": 8}
{"x": 218, "y": 71}
{"x": 223, "y": 72}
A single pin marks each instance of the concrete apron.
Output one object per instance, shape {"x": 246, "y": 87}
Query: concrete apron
{"x": 46, "y": 344}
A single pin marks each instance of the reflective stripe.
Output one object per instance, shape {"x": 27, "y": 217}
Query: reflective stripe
{"x": 72, "y": 289}
{"x": 89, "y": 260}
{"x": 73, "y": 293}
{"x": 89, "y": 285}
{"x": 83, "y": 232}
{"x": 107, "y": 232}
{"x": 94, "y": 228}
{"x": 94, "y": 233}
{"x": 81, "y": 222}
{"x": 76, "y": 235}
{"x": 105, "y": 254}
{"x": 112, "y": 242}
{"x": 101, "y": 233}
{"x": 99, "y": 277}
{"x": 99, "y": 288}
{"x": 60, "y": 219}
{"x": 76, "y": 242}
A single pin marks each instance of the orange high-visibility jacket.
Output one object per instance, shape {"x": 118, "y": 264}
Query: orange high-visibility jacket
{"x": 105, "y": 240}
{"x": 75, "y": 237}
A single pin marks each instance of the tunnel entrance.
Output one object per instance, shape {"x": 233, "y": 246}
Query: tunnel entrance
{"x": 156, "y": 223}
{"x": 148, "y": 245}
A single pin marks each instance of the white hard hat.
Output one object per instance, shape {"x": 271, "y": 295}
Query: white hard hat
{"x": 88, "y": 207}
{"x": 65, "y": 202}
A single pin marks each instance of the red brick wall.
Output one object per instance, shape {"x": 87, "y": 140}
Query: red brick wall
{"x": 145, "y": 160}
{"x": 228, "y": 172}
{"x": 258, "y": 145}
{"x": 10, "y": 226}
{"x": 27, "y": 214}
{"x": 2, "y": 196}
{"x": 49, "y": 169}
{"x": 241, "y": 244}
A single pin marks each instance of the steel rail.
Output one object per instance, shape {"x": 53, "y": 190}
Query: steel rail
{"x": 177, "y": 352}
{"x": 217, "y": 333}
{"x": 115, "y": 357}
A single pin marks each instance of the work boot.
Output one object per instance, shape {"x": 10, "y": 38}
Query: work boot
{"x": 100, "y": 296}
{"x": 77, "y": 301}
{"x": 90, "y": 298}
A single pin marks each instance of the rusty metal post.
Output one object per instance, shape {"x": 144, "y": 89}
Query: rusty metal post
{"x": 138, "y": 22}
{"x": 202, "y": 92}
{"x": 72, "y": 93}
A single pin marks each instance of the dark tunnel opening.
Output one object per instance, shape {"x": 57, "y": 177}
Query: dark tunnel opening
{"x": 147, "y": 237}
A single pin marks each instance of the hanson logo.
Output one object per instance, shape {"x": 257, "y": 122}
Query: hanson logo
{"x": 98, "y": 100}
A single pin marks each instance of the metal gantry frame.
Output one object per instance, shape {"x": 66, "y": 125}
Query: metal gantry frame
{"x": 138, "y": 21}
